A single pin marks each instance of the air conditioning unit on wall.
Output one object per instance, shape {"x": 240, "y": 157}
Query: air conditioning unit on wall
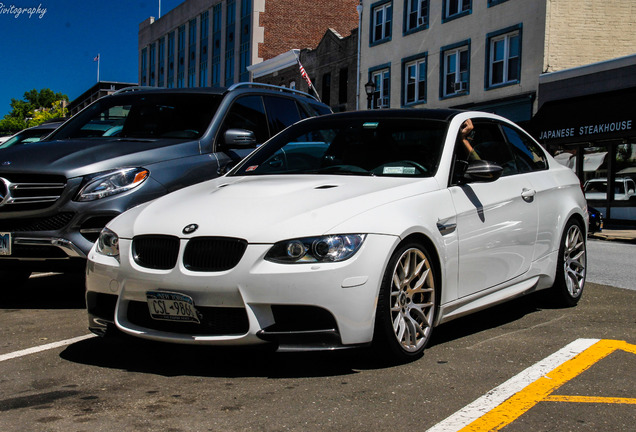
{"x": 460, "y": 87}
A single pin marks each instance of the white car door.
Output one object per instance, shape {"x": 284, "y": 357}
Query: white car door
{"x": 496, "y": 221}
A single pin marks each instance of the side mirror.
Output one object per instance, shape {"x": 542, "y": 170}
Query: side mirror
{"x": 239, "y": 138}
{"x": 482, "y": 171}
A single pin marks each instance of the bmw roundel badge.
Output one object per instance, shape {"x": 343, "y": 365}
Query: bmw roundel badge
{"x": 189, "y": 229}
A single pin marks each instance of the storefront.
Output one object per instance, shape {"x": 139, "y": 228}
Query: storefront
{"x": 595, "y": 135}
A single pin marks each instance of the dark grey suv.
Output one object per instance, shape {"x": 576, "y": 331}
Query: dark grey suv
{"x": 121, "y": 151}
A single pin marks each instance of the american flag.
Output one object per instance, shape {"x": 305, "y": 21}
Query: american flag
{"x": 304, "y": 74}
{"x": 96, "y": 58}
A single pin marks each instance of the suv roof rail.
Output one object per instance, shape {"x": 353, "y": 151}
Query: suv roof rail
{"x": 135, "y": 88}
{"x": 271, "y": 87}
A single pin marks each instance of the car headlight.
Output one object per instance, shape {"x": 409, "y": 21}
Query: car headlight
{"x": 332, "y": 248}
{"x": 108, "y": 243}
{"x": 111, "y": 183}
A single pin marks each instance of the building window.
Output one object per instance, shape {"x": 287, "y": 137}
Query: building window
{"x": 326, "y": 88}
{"x": 245, "y": 42}
{"x": 162, "y": 61}
{"x": 381, "y": 77}
{"x": 217, "y": 18}
{"x": 492, "y": 3}
{"x": 181, "y": 57}
{"x": 230, "y": 23}
{"x": 192, "y": 53}
{"x": 415, "y": 15}
{"x": 455, "y": 8}
{"x": 170, "y": 60}
{"x": 504, "y": 57}
{"x": 414, "y": 80}
{"x": 455, "y": 70}
{"x": 152, "y": 61}
{"x": 381, "y": 17}
{"x": 203, "y": 49}
{"x": 343, "y": 85}
{"x": 144, "y": 66}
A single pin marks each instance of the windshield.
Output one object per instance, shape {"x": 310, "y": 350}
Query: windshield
{"x": 143, "y": 116}
{"x": 27, "y": 136}
{"x": 382, "y": 147}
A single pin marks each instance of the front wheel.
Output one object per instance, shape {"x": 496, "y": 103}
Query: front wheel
{"x": 406, "y": 304}
{"x": 571, "y": 266}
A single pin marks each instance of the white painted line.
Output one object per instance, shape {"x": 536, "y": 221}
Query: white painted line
{"x": 40, "y": 348}
{"x": 498, "y": 395}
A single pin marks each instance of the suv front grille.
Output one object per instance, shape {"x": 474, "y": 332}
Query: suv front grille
{"x": 22, "y": 192}
{"x": 49, "y": 223}
{"x": 202, "y": 254}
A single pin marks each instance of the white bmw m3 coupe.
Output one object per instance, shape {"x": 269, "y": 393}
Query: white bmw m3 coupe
{"x": 353, "y": 229}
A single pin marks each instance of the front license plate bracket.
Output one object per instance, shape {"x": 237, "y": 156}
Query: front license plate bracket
{"x": 172, "y": 306}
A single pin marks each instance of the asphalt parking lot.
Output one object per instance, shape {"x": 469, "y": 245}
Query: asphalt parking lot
{"x": 522, "y": 366}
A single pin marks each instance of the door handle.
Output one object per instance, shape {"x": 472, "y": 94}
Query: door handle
{"x": 528, "y": 194}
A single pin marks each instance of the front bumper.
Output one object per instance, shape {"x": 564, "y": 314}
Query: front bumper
{"x": 297, "y": 306}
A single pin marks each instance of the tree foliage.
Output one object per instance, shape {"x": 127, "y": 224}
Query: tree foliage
{"x": 34, "y": 108}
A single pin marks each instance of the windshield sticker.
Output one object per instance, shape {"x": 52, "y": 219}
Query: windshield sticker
{"x": 398, "y": 170}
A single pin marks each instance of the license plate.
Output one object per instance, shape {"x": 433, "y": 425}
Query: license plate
{"x": 5, "y": 243}
{"x": 171, "y": 306}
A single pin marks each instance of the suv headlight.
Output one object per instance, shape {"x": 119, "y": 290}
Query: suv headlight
{"x": 332, "y": 248}
{"x": 108, "y": 243}
{"x": 112, "y": 182}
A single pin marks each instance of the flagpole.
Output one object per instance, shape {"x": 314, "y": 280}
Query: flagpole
{"x": 303, "y": 73}
{"x": 99, "y": 57}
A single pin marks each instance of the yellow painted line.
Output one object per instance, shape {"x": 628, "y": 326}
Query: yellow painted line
{"x": 539, "y": 390}
{"x": 505, "y": 403}
{"x": 590, "y": 399}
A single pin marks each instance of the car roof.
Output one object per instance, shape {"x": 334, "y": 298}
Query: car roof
{"x": 423, "y": 114}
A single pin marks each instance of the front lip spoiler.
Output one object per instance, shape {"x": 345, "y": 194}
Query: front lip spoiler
{"x": 67, "y": 246}
{"x": 304, "y": 340}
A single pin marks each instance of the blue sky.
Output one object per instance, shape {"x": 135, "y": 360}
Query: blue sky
{"x": 55, "y": 49}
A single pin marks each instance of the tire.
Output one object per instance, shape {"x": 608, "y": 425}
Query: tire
{"x": 14, "y": 278}
{"x": 571, "y": 266}
{"x": 407, "y": 304}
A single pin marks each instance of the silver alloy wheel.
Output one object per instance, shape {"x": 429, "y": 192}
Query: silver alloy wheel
{"x": 412, "y": 300}
{"x": 574, "y": 261}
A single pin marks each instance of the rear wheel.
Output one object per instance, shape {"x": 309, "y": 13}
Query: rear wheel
{"x": 406, "y": 304}
{"x": 571, "y": 266}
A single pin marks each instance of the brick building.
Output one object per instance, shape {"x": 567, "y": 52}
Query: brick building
{"x": 332, "y": 68}
{"x": 212, "y": 42}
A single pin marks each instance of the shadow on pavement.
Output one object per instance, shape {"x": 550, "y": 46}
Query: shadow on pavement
{"x": 139, "y": 355}
{"x": 46, "y": 291}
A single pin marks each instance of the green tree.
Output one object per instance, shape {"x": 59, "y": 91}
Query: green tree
{"x": 35, "y": 108}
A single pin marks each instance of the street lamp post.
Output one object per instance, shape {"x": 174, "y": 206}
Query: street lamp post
{"x": 369, "y": 88}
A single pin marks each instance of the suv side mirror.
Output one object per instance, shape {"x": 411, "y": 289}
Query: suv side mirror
{"x": 239, "y": 138}
{"x": 482, "y": 171}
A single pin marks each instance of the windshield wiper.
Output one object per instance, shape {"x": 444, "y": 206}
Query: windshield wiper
{"x": 342, "y": 170}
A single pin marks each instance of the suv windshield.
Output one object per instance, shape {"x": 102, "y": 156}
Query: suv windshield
{"x": 143, "y": 116}
{"x": 386, "y": 147}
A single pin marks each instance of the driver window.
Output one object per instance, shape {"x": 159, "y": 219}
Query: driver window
{"x": 484, "y": 140}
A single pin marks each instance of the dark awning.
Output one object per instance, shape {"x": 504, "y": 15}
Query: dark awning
{"x": 596, "y": 117}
